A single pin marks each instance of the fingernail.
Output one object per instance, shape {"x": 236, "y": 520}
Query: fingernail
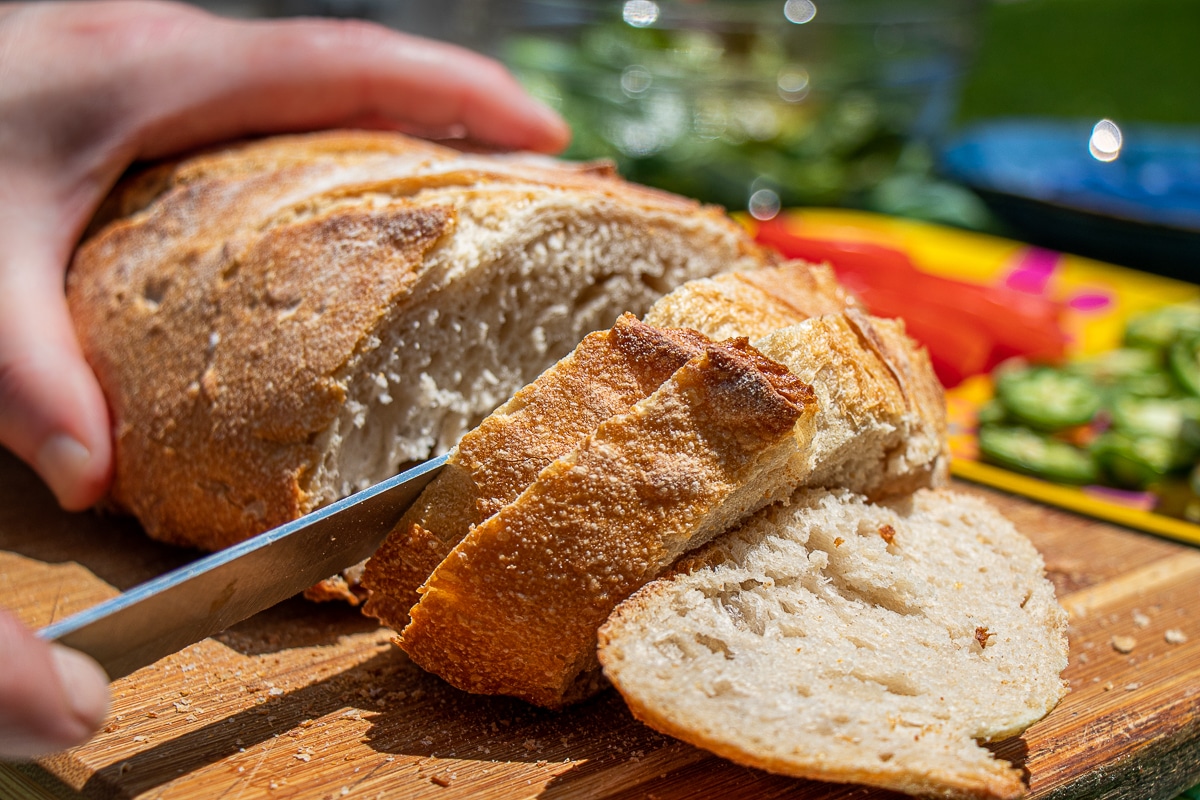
{"x": 84, "y": 685}
{"x": 62, "y": 461}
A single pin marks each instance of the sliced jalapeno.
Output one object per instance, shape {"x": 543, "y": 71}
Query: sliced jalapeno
{"x": 1160, "y": 327}
{"x": 1047, "y": 398}
{"x": 1165, "y": 417}
{"x": 1130, "y": 370}
{"x": 1183, "y": 357}
{"x": 992, "y": 412}
{"x": 1138, "y": 462}
{"x": 1034, "y": 453}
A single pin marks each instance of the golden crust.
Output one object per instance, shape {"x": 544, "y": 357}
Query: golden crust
{"x": 605, "y": 375}
{"x": 213, "y": 415}
{"x": 598, "y": 523}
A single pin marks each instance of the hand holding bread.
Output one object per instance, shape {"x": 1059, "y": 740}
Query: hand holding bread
{"x": 88, "y": 89}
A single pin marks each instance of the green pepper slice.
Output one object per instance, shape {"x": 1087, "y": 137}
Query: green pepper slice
{"x": 1141, "y": 461}
{"x": 1158, "y": 328}
{"x": 1130, "y": 370}
{"x": 1023, "y": 450}
{"x": 1183, "y": 358}
{"x": 1047, "y": 398}
{"x": 1164, "y": 417}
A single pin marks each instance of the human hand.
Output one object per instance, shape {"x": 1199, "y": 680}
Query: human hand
{"x": 87, "y": 88}
{"x": 50, "y": 697}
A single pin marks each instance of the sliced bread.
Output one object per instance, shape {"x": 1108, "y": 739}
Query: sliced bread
{"x": 514, "y": 608}
{"x": 604, "y": 376}
{"x": 839, "y": 640}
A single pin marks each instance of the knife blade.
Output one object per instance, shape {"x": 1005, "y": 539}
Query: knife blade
{"x": 168, "y": 613}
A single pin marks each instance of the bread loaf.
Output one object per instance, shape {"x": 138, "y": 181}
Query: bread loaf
{"x": 835, "y": 639}
{"x": 280, "y": 324}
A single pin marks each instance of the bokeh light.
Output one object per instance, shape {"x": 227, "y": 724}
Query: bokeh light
{"x": 799, "y": 11}
{"x": 640, "y": 13}
{"x": 1105, "y": 142}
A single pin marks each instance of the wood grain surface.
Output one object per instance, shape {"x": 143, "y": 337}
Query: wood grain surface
{"x": 307, "y": 701}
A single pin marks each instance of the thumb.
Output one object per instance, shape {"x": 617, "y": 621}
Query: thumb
{"x": 51, "y": 697}
{"x": 52, "y": 412}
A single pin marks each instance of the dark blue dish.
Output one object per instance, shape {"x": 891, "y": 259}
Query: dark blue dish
{"x": 1140, "y": 209}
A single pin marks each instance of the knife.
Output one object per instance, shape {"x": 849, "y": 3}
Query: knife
{"x": 166, "y": 614}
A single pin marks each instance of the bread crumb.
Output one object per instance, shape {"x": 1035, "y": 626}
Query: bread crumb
{"x": 838, "y": 542}
{"x": 1140, "y": 620}
{"x": 1129, "y": 687}
{"x": 1124, "y": 644}
{"x": 441, "y": 780}
{"x": 1175, "y": 636}
{"x": 888, "y": 533}
{"x": 982, "y": 635}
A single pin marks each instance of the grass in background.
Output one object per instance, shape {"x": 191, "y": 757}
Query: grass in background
{"x": 1123, "y": 59}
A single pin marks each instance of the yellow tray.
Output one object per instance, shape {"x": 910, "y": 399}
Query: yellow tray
{"x": 1098, "y": 299}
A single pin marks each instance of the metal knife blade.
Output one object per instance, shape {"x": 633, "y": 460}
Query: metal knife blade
{"x": 164, "y": 615}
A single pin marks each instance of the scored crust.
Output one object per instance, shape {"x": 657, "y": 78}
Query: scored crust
{"x": 514, "y": 608}
{"x": 264, "y": 319}
{"x": 605, "y": 375}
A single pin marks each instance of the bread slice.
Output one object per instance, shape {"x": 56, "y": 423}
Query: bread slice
{"x": 752, "y": 304}
{"x": 280, "y": 324}
{"x": 514, "y": 608}
{"x": 882, "y": 428}
{"x": 604, "y": 376}
{"x": 839, "y": 640}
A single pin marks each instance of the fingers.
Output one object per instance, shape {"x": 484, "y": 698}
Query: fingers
{"x": 223, "y": 78}
{"x": 52, "y": 412}
{"x": 51, "y": 697}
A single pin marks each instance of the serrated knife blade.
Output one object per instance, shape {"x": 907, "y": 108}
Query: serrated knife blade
{"x": 168, "y": 613}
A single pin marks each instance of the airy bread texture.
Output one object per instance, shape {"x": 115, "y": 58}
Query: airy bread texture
{"x": 839, "y": 640}
{"x": 280, "y": 324}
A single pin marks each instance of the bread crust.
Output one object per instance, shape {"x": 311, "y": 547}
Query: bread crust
{"x": 233, "y": 304}
{"x": 595, "y": 525}
{"x": 604, "y": 376}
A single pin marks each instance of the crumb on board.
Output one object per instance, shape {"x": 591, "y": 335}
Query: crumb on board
{"x": 1124, "y": 644}
{"x": 1140, "y": 620}
{"x": 1175, "y": 636}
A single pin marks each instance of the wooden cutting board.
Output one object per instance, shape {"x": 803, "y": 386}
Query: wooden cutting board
{"x": 306, "y": 701}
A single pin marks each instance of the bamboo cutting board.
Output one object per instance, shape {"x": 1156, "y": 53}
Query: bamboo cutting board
{"x": 307, "y": 701}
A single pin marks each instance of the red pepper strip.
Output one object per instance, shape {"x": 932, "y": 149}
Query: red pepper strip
{"x": 1017, "y": 323}
{"x": 957, "y": 346}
